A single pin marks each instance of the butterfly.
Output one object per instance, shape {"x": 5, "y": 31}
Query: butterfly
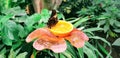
{"x": 53, "y": 20}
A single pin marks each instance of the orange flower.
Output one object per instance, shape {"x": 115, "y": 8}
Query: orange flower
{"x": 47, "y": 39}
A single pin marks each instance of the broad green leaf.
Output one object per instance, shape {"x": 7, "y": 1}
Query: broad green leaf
{"x": 117, "y": 23}
{"x": 17, "y": 11}
{"x": 12, "y": 54}
{"x": 9, "y": 32}
{"x": 117, "y": 30}
{"x": 2, "y": 56}
{"x": 116, "y": 42}
{"x": 41, "y": 25}
{"x": 1, "y": 45}
{"x": 17, "y": 44}
{"x": 30, "y": 21}
{"x": 106, "y": 27}
{"x": 22, "y": 55}
{"x": 101, "y": 22}
{"x": 3, "y": 51}
{"x": 7, "y": 41}
{"x": 5, "y": 18}
{"x": 22, "y": 32}
{"x": 112, "y": 21}
{"x": 45, "y": 15}
{"x": 81, "y": 20}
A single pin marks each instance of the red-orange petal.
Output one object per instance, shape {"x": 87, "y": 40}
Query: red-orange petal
{"x": 38, "y": 33}
{"x": 56, "y": 46}
{"x": 59, "y": 46}
{"x": 77, "y": 38}
{"x": 81, "y": 34}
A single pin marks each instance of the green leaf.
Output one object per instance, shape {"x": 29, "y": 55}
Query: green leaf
{"x": 117, "y": 23}
{"x": 17, "y": 44}
{"x": 22, "y": 55}
{"x": 116, "y": 42}
{"x": 3, "y": 51}
{"x": 106, "y": 27}
{"x": 94, "y": 49}
{"x": 2, "y": 56}
{"x": 61, "y": 56}
{"x": 117, "y": 30}
{"x": 81, "y": 21}
{"x": 105, "y": 51}
{"x": 9, "y": 32}
{"x": 81, "y": 53}
{"x": 72, "y": 20}
{"x": 15, "y": 10}
{"x": 7, "y": 41}
{"x": 67, "y": 55}
{"x": 89, "y": 52}
{"x": 112, "y": 34}
{"x": 8, "y": 4}
{"x": 71, "y": 50}
{"x": 14, "y": 0}
{"x": 11, "y": 54}
{"x": 30, "y": 21}
{"x": 92, "y": 29}
{"x": 101, "y": 22}
{"x": 5, "y": 18}
{"x": 60, "y": 16}
{"x": 100, "y": 38}
{"x": 45, "y": 15}
{"x": 33, "y": 19}
{"x": 41, "y": 25}
{"x": 112, "y": 21}
{"x": 102, "y": 17}
{"x": 22, "y": 32}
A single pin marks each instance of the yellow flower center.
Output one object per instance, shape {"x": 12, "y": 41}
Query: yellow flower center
{"x": 62, "y": 28}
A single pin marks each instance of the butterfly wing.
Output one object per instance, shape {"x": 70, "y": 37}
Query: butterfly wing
{"x": 53, "y": 19}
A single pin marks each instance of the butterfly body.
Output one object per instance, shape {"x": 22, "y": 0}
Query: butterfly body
{"x": 53, "y": 20}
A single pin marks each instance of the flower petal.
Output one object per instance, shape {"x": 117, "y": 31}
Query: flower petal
{"x": 59, "y": 46}
{"x": 81, "y": 34}
{"x": 77, "y": 38}
{"x": 56, "y": 46}
{"x": 37, "y": 45}
{"x": 38, "y": 33}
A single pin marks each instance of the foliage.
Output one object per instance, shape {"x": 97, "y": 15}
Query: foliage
{"x": 116, "y": 43}
{"x": 94, "y": 17}
{"x": 95, "y": 14}
{"x": 104, "y": 13}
